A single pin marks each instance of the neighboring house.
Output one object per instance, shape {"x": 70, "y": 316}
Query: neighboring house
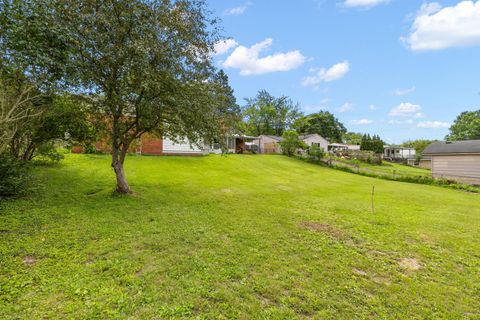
{"x": 269, "y": 144}
{"x": 396, "y": 152}
{"x": 315, "y": 139}
{"x": 457, "y": 160}
{"x": 341, "y": 147}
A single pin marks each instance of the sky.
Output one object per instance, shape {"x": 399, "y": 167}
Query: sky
{"x": 403, "y": 69}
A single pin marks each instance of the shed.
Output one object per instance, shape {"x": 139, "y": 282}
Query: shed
{"x": 456, "y": 160}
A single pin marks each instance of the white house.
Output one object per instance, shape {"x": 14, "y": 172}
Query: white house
{"x": 271, "y": 144}
{"x": 335, "y": 147}
{"x": 396, "y": 152}
{"x": 315, "y": 139}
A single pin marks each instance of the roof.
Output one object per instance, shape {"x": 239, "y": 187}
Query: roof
{"x": 398, "y": 147}
{"x": 454, "y": 147}
{"x": 311, "y": 135}
{"x": 272, "y": 137}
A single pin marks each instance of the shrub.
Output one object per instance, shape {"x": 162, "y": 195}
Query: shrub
{"x": 315, "y": 153}
{"x": 13, "y": 176}
{"x": 291, "y": 143}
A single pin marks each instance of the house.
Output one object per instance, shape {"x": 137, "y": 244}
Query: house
{"x": 271, "y": 144}
{"x": 398, "y": 153}
{"x": 342, "y": 147}
{"x": 457, "y": 160}
{"x": 315, "y": 139}
{"x": 152, "y": 145}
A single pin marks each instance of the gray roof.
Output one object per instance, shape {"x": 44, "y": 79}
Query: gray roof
{"x": 454, "y": 147}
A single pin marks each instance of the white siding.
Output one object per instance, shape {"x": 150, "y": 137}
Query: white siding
{"x": 315, "y": 138}
{"x": 182, "y": 147}
{"x": 457, "y": 167}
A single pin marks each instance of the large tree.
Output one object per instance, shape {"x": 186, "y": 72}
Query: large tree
{"x": 323, "y": 123}
{"x": 465, "y": 127}
{"x": 142, "y": 66}
{"x": 266, "y": 114}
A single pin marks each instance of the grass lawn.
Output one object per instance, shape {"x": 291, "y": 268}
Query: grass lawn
{"x": 247, "y": 237}
{"x": 390, "y": 168}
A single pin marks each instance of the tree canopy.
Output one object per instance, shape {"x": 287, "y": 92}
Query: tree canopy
{"x": 140, "y": 65}
{"x": 323, "y": 123}
{"x": 266, "y": 114}
{"x": 465, "y": 127}
{"x": 372, "y": 143}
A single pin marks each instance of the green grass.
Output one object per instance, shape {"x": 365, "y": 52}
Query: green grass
{"x": 390, "y": 168}
{"x": 247, "y": 237}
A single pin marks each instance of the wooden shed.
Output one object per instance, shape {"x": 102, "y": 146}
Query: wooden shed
{"x": 456, "y": 160}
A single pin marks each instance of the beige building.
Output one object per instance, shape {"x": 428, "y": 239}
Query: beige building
{"x": 457, "y": 160}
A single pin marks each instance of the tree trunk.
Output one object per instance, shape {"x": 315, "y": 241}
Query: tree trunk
{"x": 118, "y": 157}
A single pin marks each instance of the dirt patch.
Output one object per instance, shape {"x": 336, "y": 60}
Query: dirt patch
{"x": 226, "y": 190}
{"x": 359, "y": 272}
{"x": 381, "y": 280}
{"x": 409, "y": 264}
{"x": 29, "y": 260}
{"x": 324, "y": 228}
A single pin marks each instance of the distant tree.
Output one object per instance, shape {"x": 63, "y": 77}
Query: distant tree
{"x": 370, "y": 143}
{"x": 352, "y": 138}
{"x": 465, "y": 127}
{"x": 266, "y": 114}
{"x": 419, "y": 145}
{"x": 291, "y": 143}
{"x": 323, "y": 123}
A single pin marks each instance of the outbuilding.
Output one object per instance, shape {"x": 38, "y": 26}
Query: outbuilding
{"x": 456, "y": 160}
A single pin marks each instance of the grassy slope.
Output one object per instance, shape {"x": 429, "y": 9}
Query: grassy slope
{"x": 227, "y": 237}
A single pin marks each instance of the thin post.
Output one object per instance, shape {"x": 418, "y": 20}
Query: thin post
{"x": 373, "y": 199}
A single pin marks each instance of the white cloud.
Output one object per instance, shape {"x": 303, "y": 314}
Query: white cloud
{"x": 372, "y": 107}
{"x": 437, "y": 28}
{"x": 409, "y": 121}
{"x": 407, "y": 109}
{"x": 333, "y": 73}
{"x": 346, "y": 107}
{"x": 361, "y": 122}
{"x": 402, "y": 92}
{"x": 236, "y": 11}
{"x": 249, "y": 62}
{"x": 433, "y": 124}
{"x": 223, "y": 46}
{"x": 315, "y": 108}
{"x": 363, "y": 3}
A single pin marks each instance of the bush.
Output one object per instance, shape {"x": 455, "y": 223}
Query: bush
{"x": 13, "y": 176}
{"x": 315, "y": 153}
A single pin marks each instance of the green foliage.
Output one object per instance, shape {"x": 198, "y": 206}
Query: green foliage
{"x": 315, "y": 153}
{"x": 141, "y": 66}
{"x": 268, "y": 115}
{"x": 323, "y": 123}
{"x": 374, "y": 144}
{"x": 13, "y": 176}
{"x": 465, "y": 127}
{"x": 419, "y": 145}
{"x": 63, "y": 119}
{"x": 352, "y": 138}
{"x": 291, "y": 143}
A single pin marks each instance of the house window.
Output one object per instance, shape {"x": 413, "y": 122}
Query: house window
{"x": 316, "y": 144}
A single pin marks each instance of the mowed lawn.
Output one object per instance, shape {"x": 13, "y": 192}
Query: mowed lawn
{"x": 226, "y": 237}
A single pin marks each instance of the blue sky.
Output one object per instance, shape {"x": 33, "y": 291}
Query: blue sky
{"x": 403, "y": 69}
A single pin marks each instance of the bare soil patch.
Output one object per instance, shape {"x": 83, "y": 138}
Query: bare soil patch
{"x": 29, "y": 260}
{"x": 409, "y": 264}
{"x": 324, "y": 228}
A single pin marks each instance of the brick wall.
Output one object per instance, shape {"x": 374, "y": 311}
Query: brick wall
{"x": 151, "y": 144}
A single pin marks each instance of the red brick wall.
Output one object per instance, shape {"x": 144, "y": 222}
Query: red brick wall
{"x": 151, "y": 144}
